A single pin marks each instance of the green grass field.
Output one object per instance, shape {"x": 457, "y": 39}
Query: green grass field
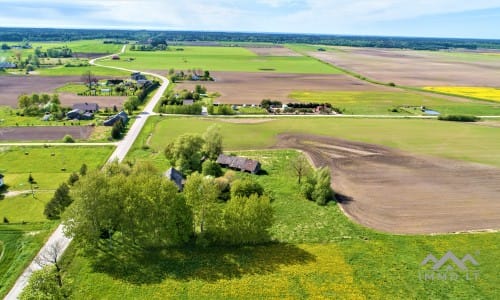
{"x": 381, "y": 102}
{"x": 219, "y": 59}
{"x": 46, "y": 168}
{"x": 83, "y": 46}
{"x": 318, "y": 253}
{"x": 28, "y": 228}
{"x": 468, "y": 142}
{"x": 78, "y": 71}
{"x": 8, "y": 117}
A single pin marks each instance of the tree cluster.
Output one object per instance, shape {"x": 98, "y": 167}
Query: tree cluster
{"x": 317, "y": 187}
{"x": 187, "y": 150}
{"x": 36, "y": 105}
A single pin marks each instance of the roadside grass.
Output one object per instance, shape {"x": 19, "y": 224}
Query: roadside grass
{"x": 18, "y": 245}
{"x": 48, "y": 170}
{"x": 317, "y": 253}
{"x": 467, "y": 142}
{"x": 218, "y": 59}
{"x": 486, "y": 93}
{"x": 383, "y": 102}
{"x": 24, "y": 207}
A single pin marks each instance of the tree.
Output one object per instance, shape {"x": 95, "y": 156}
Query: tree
{"x": 68, "y": 139}
{"x": 245, "y": 188}
{"x": 201, "y": 196}
{"x": 73, "y": 178}
{"x": 212, "y": 147}
{"x": 43, "y": 285}
{"x": 83, "y": 170}
{"x": 59, "y": 202}
{"x": 117, "y": 130}
{"x": 322, "y": 191}
{"x": 317, "y": 187}
{"x": 211, "y": 168}
{"x": 89, "y": 78}
{"x": 246, "y": 220}
{"x": 300, "y": 166}
{"x": 185, "y": 152}
{"x": 31, "y": 181}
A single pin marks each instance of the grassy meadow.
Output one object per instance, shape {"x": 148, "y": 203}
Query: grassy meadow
{"x": 28, "y": 228}
{"x": 382, "y": 102}
{"x": 317, "y": 253}
{"x": 468, "y": 142}
{"x": 48, "y": 166}
{"x": 219, "y": 59}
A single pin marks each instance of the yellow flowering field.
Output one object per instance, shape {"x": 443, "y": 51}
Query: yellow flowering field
{"x": 487, "y": 93}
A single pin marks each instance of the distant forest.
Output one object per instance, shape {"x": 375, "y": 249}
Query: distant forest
{"x": 51, "y": 34}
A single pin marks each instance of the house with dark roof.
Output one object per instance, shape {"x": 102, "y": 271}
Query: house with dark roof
{"x": 7, "y": 65}
{"x": 79, "y": 115}
{"x": 239, "y": 163}
{"x": 137, "y": 76}
{"x": 119, "y": 116}
{"x": 176, "y": 177}
{"x": 86, "y": 107}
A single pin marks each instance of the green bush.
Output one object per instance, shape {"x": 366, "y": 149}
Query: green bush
{"x": 211, "y": 168}
{"x": 459, "y": 118}
{"x": 245, "y": 188}
{"x": 68, "y": 139}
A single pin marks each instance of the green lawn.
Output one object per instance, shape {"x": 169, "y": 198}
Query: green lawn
{"x": 74, "y": 88}
{"x": 468, "y": 142}
{"x": 318, "y": 253}
{"x": 78, "y": 71}
{"x": 382, "y": 102}
{"x": 219, "y": 59}
{"x": 46, "y": 168}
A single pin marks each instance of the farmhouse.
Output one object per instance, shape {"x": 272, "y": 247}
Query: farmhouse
{"x": 1, "y": 180}
{"x": 176, "y": 177}
{"x": 79, "y": 115}
{"x": 7, "y": 65}
{"x": 137, "y": 76}
{"x": 86, "y": 107}
{"x": 239, "y": 163}
{"x": 119, "y": 116}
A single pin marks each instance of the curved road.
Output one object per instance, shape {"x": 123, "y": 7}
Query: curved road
{"x": 58, "y": 239}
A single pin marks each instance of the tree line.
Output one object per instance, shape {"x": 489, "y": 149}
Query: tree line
{"x": 149, "y": 36}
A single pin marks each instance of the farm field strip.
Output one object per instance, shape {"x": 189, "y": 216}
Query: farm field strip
{"x": 486, "y": 93}
{"x": 219, "y": 59}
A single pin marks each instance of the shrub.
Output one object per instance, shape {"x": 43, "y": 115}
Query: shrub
{"x": 459, "y": 118}
{"x": 68, "y": 139}
{"x": 245, "y": 188}
{"x": 211, "y": 168}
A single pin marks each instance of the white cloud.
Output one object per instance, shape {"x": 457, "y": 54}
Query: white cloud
{"x": 315, "y": 16}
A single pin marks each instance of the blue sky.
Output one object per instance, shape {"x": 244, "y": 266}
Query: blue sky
{"x": 441, "y": 18}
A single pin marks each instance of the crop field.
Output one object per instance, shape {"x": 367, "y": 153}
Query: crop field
{"x": 369, "y": 102}
{"x": 415, "y": 68}
{"x": 219, "y": 59}
{"x": 251, "y": 88}
{"x": 317, "y": 253}
{"x": 49, "y": 166}
{"x": 492, "y": 94}
{"x": 459, "y": 141}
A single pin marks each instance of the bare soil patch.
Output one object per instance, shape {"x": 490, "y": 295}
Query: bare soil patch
{"x": 273, "y": 51}
{"x": 11, "y": 87}
{"x": 44, "y": 133}
{"x": 251, "y": 88}
{"x": 397, "y": 192}
{"x": 414, "y": 68}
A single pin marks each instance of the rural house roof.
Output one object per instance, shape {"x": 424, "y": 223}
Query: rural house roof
{"x": 86, "y": 106}
{"x": 121, "y": 115}
{"x": 239, "y": 163}
{"x": 175, "y": 176}
{"x": 7, "y": 65}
